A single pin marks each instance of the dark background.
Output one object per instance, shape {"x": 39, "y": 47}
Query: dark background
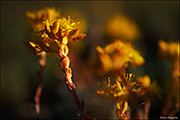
{"x": 156, "y": 20}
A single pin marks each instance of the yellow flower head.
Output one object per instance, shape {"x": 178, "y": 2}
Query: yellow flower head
{"x": 112, "y": 92}
{"x": 124, "y": 89}
{"x": 37, "y": 18}
{"x": 145, "y": 81}
{"x": 117, "y": 54}
{"x": 54, "y": 33}
{"x": 122, "y": 27}
{"x": 169, "y": 50}
{"x": 117, "y": 91}
{"x": 63, "y": 29}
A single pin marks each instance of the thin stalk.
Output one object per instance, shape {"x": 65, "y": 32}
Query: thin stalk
{"x": 42, "y": 63}
{"x": 147, "y": 108}
{"x": 64, "y": 64}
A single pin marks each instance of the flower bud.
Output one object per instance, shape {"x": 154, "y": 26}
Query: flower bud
{"x": 73, "y": 32}
{"x": 78, "y": 37}
{"x": 47, "y": 27}
{"x": 55, "y": 27}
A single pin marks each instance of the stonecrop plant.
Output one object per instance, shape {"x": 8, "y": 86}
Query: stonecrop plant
{"x": 171, "y": 52}
{"x": 50, "y": 34}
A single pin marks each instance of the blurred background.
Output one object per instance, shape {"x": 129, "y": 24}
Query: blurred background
{"x": 151, "y": 21}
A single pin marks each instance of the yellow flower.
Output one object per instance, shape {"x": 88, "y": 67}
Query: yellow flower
{"x": 63, "y": 29}
{"x": 144, "y": 81}
{"x": 120, "y": 26}
{"x": 112, "y": 92}
{"x": 169, "y": 50}
{"x": 117, "y": 91}
{"x": 54, "y": 33}
{"x": 117, "y": 54}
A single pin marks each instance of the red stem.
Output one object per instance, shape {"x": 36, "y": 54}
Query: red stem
{"x": 42, "y": 63}
{"x": 64, "y": 64}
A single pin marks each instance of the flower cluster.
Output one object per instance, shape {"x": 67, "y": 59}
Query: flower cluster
{"x": 116, "y": 55}
{"x": 54, "y": 35}
{"x": 117, "y": 92}
{"x": 123, "y": 89}
{"x": 171, "y": 51}
{"x": 120, "y": 26}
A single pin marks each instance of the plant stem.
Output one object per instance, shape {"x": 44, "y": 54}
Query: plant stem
{"x": 146, "y": 108}
{"x": 64, "y": 64}
{"x": 42, "y": 63}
